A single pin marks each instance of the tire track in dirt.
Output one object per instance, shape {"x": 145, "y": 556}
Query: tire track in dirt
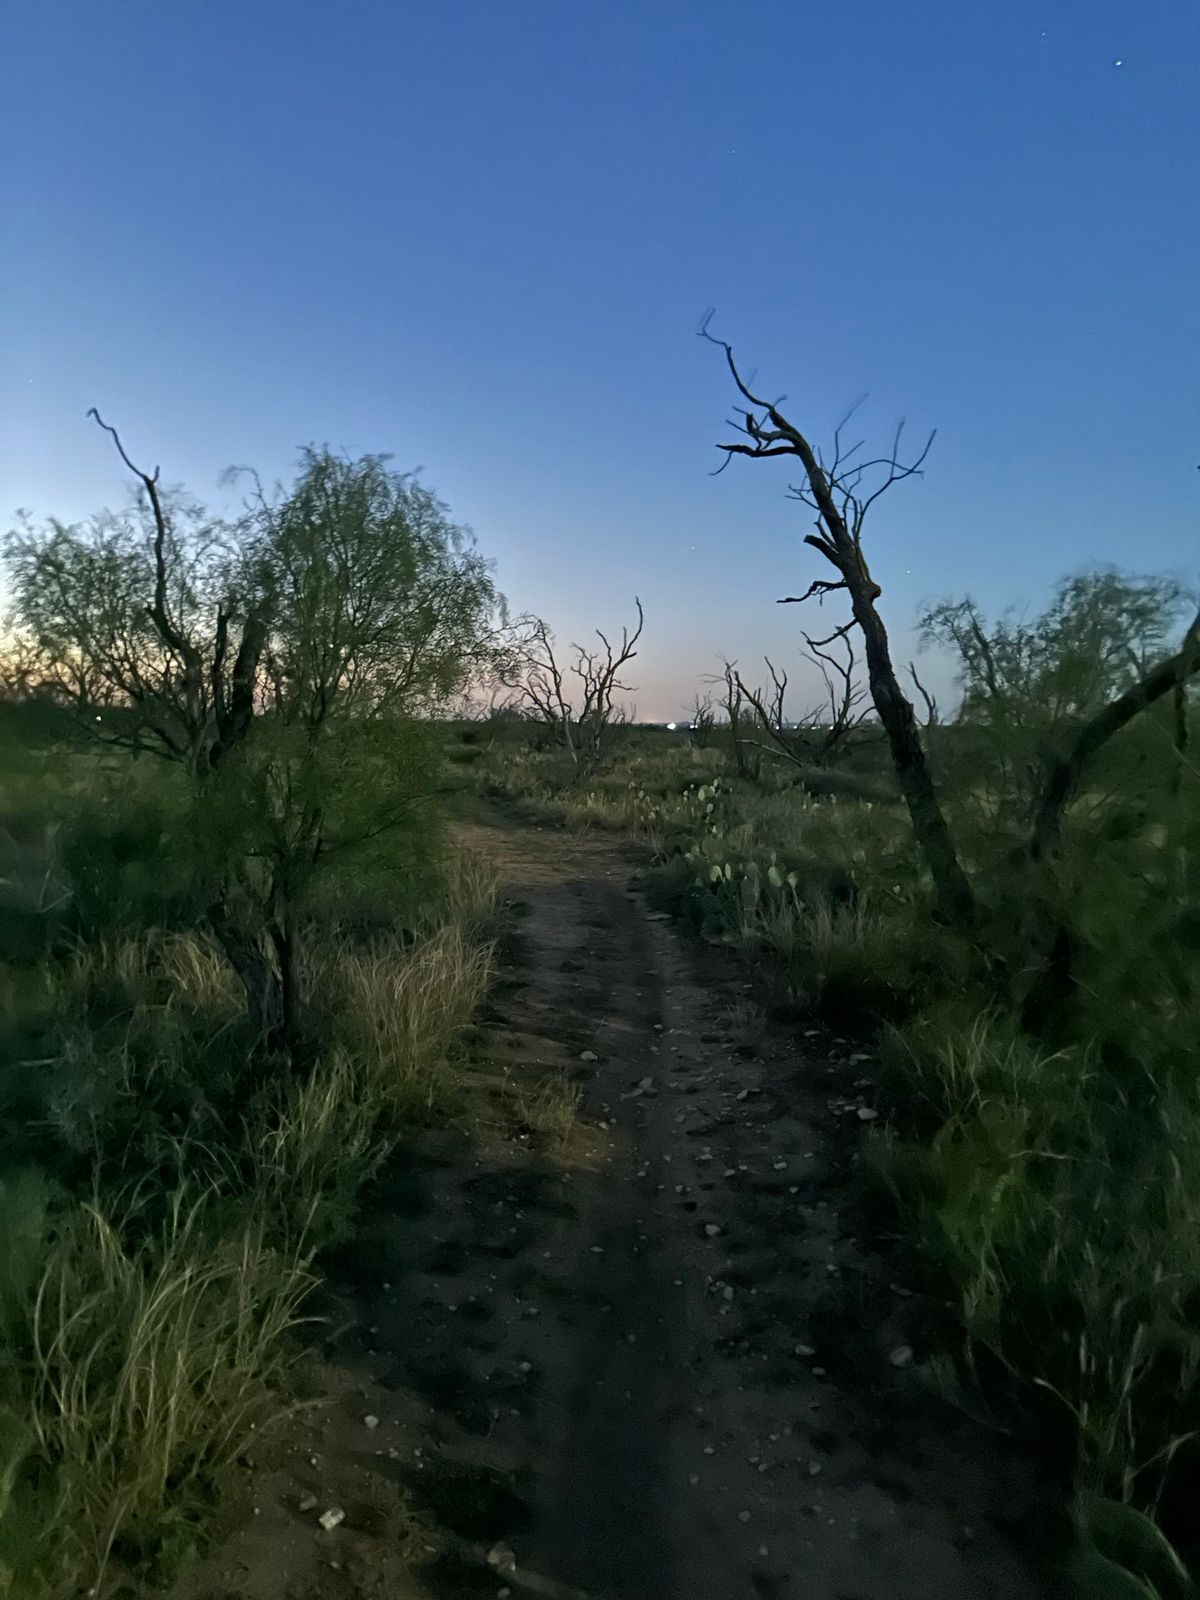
{"x": 615, "y": 1379}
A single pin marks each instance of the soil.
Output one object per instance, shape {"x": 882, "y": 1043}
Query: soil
{"x": 654, "y": 1363}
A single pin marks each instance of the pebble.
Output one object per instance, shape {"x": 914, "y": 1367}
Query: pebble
{"x": 370, "y": 1422}
{"x": 331, "y": 1518}
{"x": 712, "y": 1229}
{"x": 866, "y": 1114}
{"x": 901, "y": 1356}
{"x": 743, "y": 1516}
{"x": 588, "y": 1055}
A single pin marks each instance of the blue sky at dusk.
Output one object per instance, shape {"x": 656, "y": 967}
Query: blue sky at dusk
{"x": 481, "y": 236}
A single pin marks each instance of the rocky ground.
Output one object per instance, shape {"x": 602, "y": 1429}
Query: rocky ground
{"x": 647, "y": 1360}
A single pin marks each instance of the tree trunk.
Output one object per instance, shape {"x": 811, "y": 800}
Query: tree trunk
{"x": 249, "y": 961}
{"x": 287, "y": 1031}
{"x": 954, "y": 895}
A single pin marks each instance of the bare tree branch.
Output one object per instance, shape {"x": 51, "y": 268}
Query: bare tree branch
{"x": 172, "y": 637}
{"x": 931, "y": 706}
{"x": 819, "y": 587}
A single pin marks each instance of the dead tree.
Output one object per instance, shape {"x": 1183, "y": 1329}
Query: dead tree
{"x": 814, "y": 738}
{"x": 746, "y": 756}
{"x": 581, "y": 713}
{"x": 703, "y": 721}
{"x": 842, "y": 492}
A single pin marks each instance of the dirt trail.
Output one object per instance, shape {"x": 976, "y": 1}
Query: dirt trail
{"x": 624, "y": 1380}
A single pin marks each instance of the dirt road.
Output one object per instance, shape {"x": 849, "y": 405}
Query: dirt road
{"x": 633, "y": 1376}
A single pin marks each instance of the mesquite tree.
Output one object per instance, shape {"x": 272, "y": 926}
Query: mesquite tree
{"x": 280, "y": 660}
{"x": 144, "y": 626}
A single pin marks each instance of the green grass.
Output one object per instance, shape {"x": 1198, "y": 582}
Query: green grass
{"x": 1065, "y": 1206}
{"x": 155, "y": 1366}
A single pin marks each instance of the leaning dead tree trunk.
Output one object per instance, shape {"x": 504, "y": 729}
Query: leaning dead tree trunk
{"x": 841, "y": 494}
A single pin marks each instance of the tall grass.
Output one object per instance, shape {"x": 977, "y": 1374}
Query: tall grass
{"x": 400, "y": 1018}
{"x": 154, "y": 1266}
{"x": 1066, "y": 1207}
{"x": 154, "y": 1367}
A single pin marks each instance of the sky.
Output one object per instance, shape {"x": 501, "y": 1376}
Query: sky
{"x": 481, "y": 237}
